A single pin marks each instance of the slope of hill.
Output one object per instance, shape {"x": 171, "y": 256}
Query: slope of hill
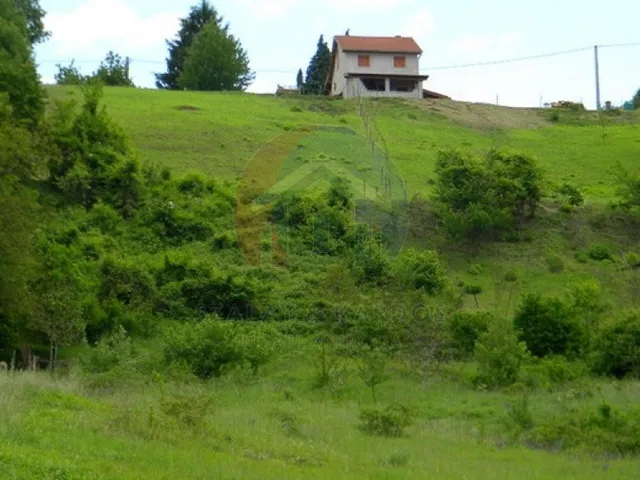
{"x": 218, "y": 133}
{"x": 342, "y": 361}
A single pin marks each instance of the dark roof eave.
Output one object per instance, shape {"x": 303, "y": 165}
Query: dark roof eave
{"x": 385, "y": 75}
{"x": 405, "y": 52}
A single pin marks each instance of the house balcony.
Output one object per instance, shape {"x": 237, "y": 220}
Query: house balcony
{"x": 384, "y": 85}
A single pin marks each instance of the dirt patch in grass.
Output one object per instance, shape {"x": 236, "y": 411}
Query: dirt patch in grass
{"x": 483, "y": 116}
{"x": 187, "y": 108}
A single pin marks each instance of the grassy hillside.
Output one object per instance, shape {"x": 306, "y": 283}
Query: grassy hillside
{"x": 219, "y": 133}
{"x": 280, "y": 427}
{"x": 348, "y": 362}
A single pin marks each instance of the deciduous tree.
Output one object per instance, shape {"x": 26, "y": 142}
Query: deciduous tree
{"x": 114, "y": 71}
{"x": 216, "y": 61}
{"x": 33, "y": 13}
{"x": 18, "y": 75}
{"x": 199, "y": 16}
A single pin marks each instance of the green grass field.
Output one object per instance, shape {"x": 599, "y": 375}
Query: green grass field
{"x": 128, "y": 425}
{"x": 218, "y": 133}
{"x": 278, "y": 426}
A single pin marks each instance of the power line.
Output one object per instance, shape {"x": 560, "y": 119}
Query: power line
{"x": 441, "y": 67}
{"x": 620, "y": 45}
{"x": 509, "y": 60}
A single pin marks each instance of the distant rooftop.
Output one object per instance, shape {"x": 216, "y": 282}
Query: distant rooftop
{"x": 396, "y": 44}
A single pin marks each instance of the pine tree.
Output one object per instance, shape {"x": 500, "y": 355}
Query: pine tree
{"x": 215, "y": 61}
{"x": 318, "y": 69}
{"x": 190, "y": 26}
{"x": 636, "y": 100}
{"x": 300, "y": 80}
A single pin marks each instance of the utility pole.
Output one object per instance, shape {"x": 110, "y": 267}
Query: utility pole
{"x": 126, "y": 67}
{"x": 595, "y": 48}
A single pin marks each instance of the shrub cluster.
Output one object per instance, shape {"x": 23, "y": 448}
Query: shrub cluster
{"x": 477, "y": 198}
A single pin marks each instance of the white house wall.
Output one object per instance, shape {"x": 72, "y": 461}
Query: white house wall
{"x": 339, "y": 82}
{"x": 380, "y": 63}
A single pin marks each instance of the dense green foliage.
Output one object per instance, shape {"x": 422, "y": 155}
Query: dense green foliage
{"x": 69, "y": 75}
{"x": 617, "y": 349}
{"x": 21, "y": 96}
{"x": 318, "y": 69}
{"x": 300, "y": 80}
{"x": 177, "y": 347}
{"x": 548, "y": 326}
{"x": 34, "y": 15}
{"x": 215, "y": 61}
{"x": 113, "y": 72}
{"x": 635, "y": 101}
{"x": 477, "y": 199}
{"x": 199, "y": 16}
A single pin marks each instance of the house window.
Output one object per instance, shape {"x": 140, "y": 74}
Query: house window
{"x": 364, "y": 61}
{"x": 374, "y": 84}
{"x": 399, "y": 61}
{"x": 402, "y": 85}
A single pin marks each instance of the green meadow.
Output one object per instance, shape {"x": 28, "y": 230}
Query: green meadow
{"x": 296, "y": 390}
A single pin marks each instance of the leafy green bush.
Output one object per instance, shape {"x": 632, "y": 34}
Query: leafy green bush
{"x": 227, "y": 295}
{"x": 372, "y": 369}
{"x": 519, "y": 414}
{"x": 572, "y": 194}
{"x": 465, "y": 327}
{"x": 555, "y": 263}
{"x": 632, "y": 259}
{"x": 475, "y": 270}
{"x": 189, "y": 410}
{"x": 617, "y": 347}
{"x": 599, "y": 252}
{"x": 550, "y": 371}
{"x": 581, "y": 257}
{"x": 370, "y": 263}
{"x": 548, "y": 326}
{"x": 479, "y": 198}
{"x": 91, "y": 160}
{"x": 224, "y": 241}
{"x": 421, "y": 270}
{"x": 211, "y": 347}
{"x": 127, "y": 282}
{"x": 499, "y": 356}
{"x": 177, "y": 227}
{"x": 115, "y": 351}
{"x": 606, "y": 430}
{"x": 390, "y": 421}
{"x": 195, "y": 184}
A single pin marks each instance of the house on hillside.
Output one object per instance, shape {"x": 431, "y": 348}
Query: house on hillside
{"x": 375, "y": 67}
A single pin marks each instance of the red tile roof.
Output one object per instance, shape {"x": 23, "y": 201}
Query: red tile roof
{"x": 378, "y": 44}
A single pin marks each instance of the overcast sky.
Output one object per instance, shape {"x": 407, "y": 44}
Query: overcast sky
{"x": 280, "y": 37}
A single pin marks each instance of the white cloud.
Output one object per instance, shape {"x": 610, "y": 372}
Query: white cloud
{"x": 367, "y": 6}
{"x": 419, "y": 26}
{"x": 268, "y": 9}
{"x": 113, "y": 25}
{"x": 484, "y": 43}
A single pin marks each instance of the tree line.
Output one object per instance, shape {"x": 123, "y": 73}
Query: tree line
{"x": 203, "y": 56}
